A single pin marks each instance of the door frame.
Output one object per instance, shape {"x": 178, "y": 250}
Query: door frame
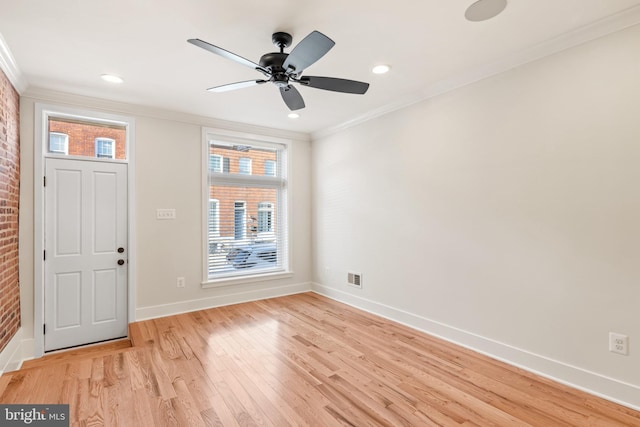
{"x": 42, "y": 113}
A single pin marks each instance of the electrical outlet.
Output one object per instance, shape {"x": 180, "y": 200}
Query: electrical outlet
{"x": 618, "y": 343}
{"x": 180, "y": 282}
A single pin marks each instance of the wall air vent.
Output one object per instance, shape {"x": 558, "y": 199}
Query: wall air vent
{"x": 354, "y": 279}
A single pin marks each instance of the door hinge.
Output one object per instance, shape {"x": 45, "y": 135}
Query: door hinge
{"x": 44, "y": 181}
{"x": 44, "y": 329}
{"x": 44, "y": 257}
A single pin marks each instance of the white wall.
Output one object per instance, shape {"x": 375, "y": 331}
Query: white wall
{"x": 504, "y": 215}
{"x": 168, "y": 147}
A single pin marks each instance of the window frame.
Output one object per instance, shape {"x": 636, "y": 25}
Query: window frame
{"x": 282, "y": 205}
{"x": 63, "y": 113}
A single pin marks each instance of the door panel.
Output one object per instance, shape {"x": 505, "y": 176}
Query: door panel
{"x": 68, "y": 215}
{"x": 105, "y": 224}
{"x": 85, "y": 223}
{"x": 105, "y": 295}
{"x": 67, "y": 296}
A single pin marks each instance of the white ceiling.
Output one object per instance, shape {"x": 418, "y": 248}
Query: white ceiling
{"x": 65, "y": 45}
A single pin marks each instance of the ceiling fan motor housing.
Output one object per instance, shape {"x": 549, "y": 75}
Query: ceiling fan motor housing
{"x": 273, "y": 62}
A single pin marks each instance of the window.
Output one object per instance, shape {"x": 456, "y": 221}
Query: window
{"x": 105, "y": 148}
{"x": 80, "y": 136}
{"x": 58, "y": 143}
{"x": 270, "y": 167}
{"x": 215, "y": 163}
{"x": 265, "y": 217}
{"x": 239, "y": 221}
{"x": 250, "y": 237}
{"x": 244, "y": 165}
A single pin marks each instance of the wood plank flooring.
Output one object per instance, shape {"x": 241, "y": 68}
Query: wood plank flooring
{"x": 301, "y": 360}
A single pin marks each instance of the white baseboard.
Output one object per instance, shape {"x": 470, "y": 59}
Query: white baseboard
{"x": 12, "y": 355}
{"x": 151, "y": 312}
{"x": 591, "y": 382}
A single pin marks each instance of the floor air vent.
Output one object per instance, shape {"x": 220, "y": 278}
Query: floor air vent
{"x": 354, "y": 279}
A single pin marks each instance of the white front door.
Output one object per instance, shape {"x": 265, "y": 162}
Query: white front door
{"x": 85, "y": 252}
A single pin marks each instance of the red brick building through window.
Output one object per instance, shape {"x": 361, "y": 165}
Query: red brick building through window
{"x": 87, "y": 139}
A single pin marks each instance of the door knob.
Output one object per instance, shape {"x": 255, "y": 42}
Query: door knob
{"x": 120, "y": 250}
{"x": 120, "y": 262}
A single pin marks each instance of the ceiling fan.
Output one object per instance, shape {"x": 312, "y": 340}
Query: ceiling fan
{"x": 282, "y": 68}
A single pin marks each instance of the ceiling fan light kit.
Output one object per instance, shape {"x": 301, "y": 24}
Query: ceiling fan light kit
{"x": 282, "y": 69}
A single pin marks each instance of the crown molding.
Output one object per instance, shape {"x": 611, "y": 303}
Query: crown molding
{"x": 10, "y": 67}
{"x": 601, "y": 28}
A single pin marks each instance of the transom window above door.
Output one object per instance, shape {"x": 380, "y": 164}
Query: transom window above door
{"x": 80, "y": 137}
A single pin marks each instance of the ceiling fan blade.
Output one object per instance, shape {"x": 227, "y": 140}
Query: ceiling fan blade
{"x": 234, "y": 86}
{"x": 226, "y": 54}
{"x": 308, "y": 51}
{"x": 292, "y": 98}
{"x": 335, "y": 85}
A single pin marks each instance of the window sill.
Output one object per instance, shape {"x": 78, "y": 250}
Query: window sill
{"x": 231, "y": 281}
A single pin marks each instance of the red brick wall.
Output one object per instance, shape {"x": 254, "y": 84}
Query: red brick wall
{"x": 82, "y": 137}
{"x": 9, "y": 203}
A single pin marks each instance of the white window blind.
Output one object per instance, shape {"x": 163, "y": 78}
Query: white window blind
{"x": 251, "y": 232}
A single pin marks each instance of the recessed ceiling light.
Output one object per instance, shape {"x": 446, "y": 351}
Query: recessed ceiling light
{"x": 293, "y": 115}
{"x": 111, "y": 78}
{"x": 380, "y": 69}
{"x": 484, "y": 9}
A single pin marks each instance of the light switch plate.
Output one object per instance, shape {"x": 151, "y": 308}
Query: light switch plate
{"x": 165, "y": 214}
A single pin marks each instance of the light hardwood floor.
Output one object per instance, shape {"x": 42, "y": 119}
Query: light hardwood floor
{"x": 295, "y": 361}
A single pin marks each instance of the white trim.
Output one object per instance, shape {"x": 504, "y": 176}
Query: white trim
{"x": 241, "y": 280}
{"x": 584, "y": 34}
{"x": 11, "y": 356}
{"x": 152, "y": 312}
{"x": 591, "y": 382}
{"x": 41, "y": 114}
{"x": 10, "y": 67}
